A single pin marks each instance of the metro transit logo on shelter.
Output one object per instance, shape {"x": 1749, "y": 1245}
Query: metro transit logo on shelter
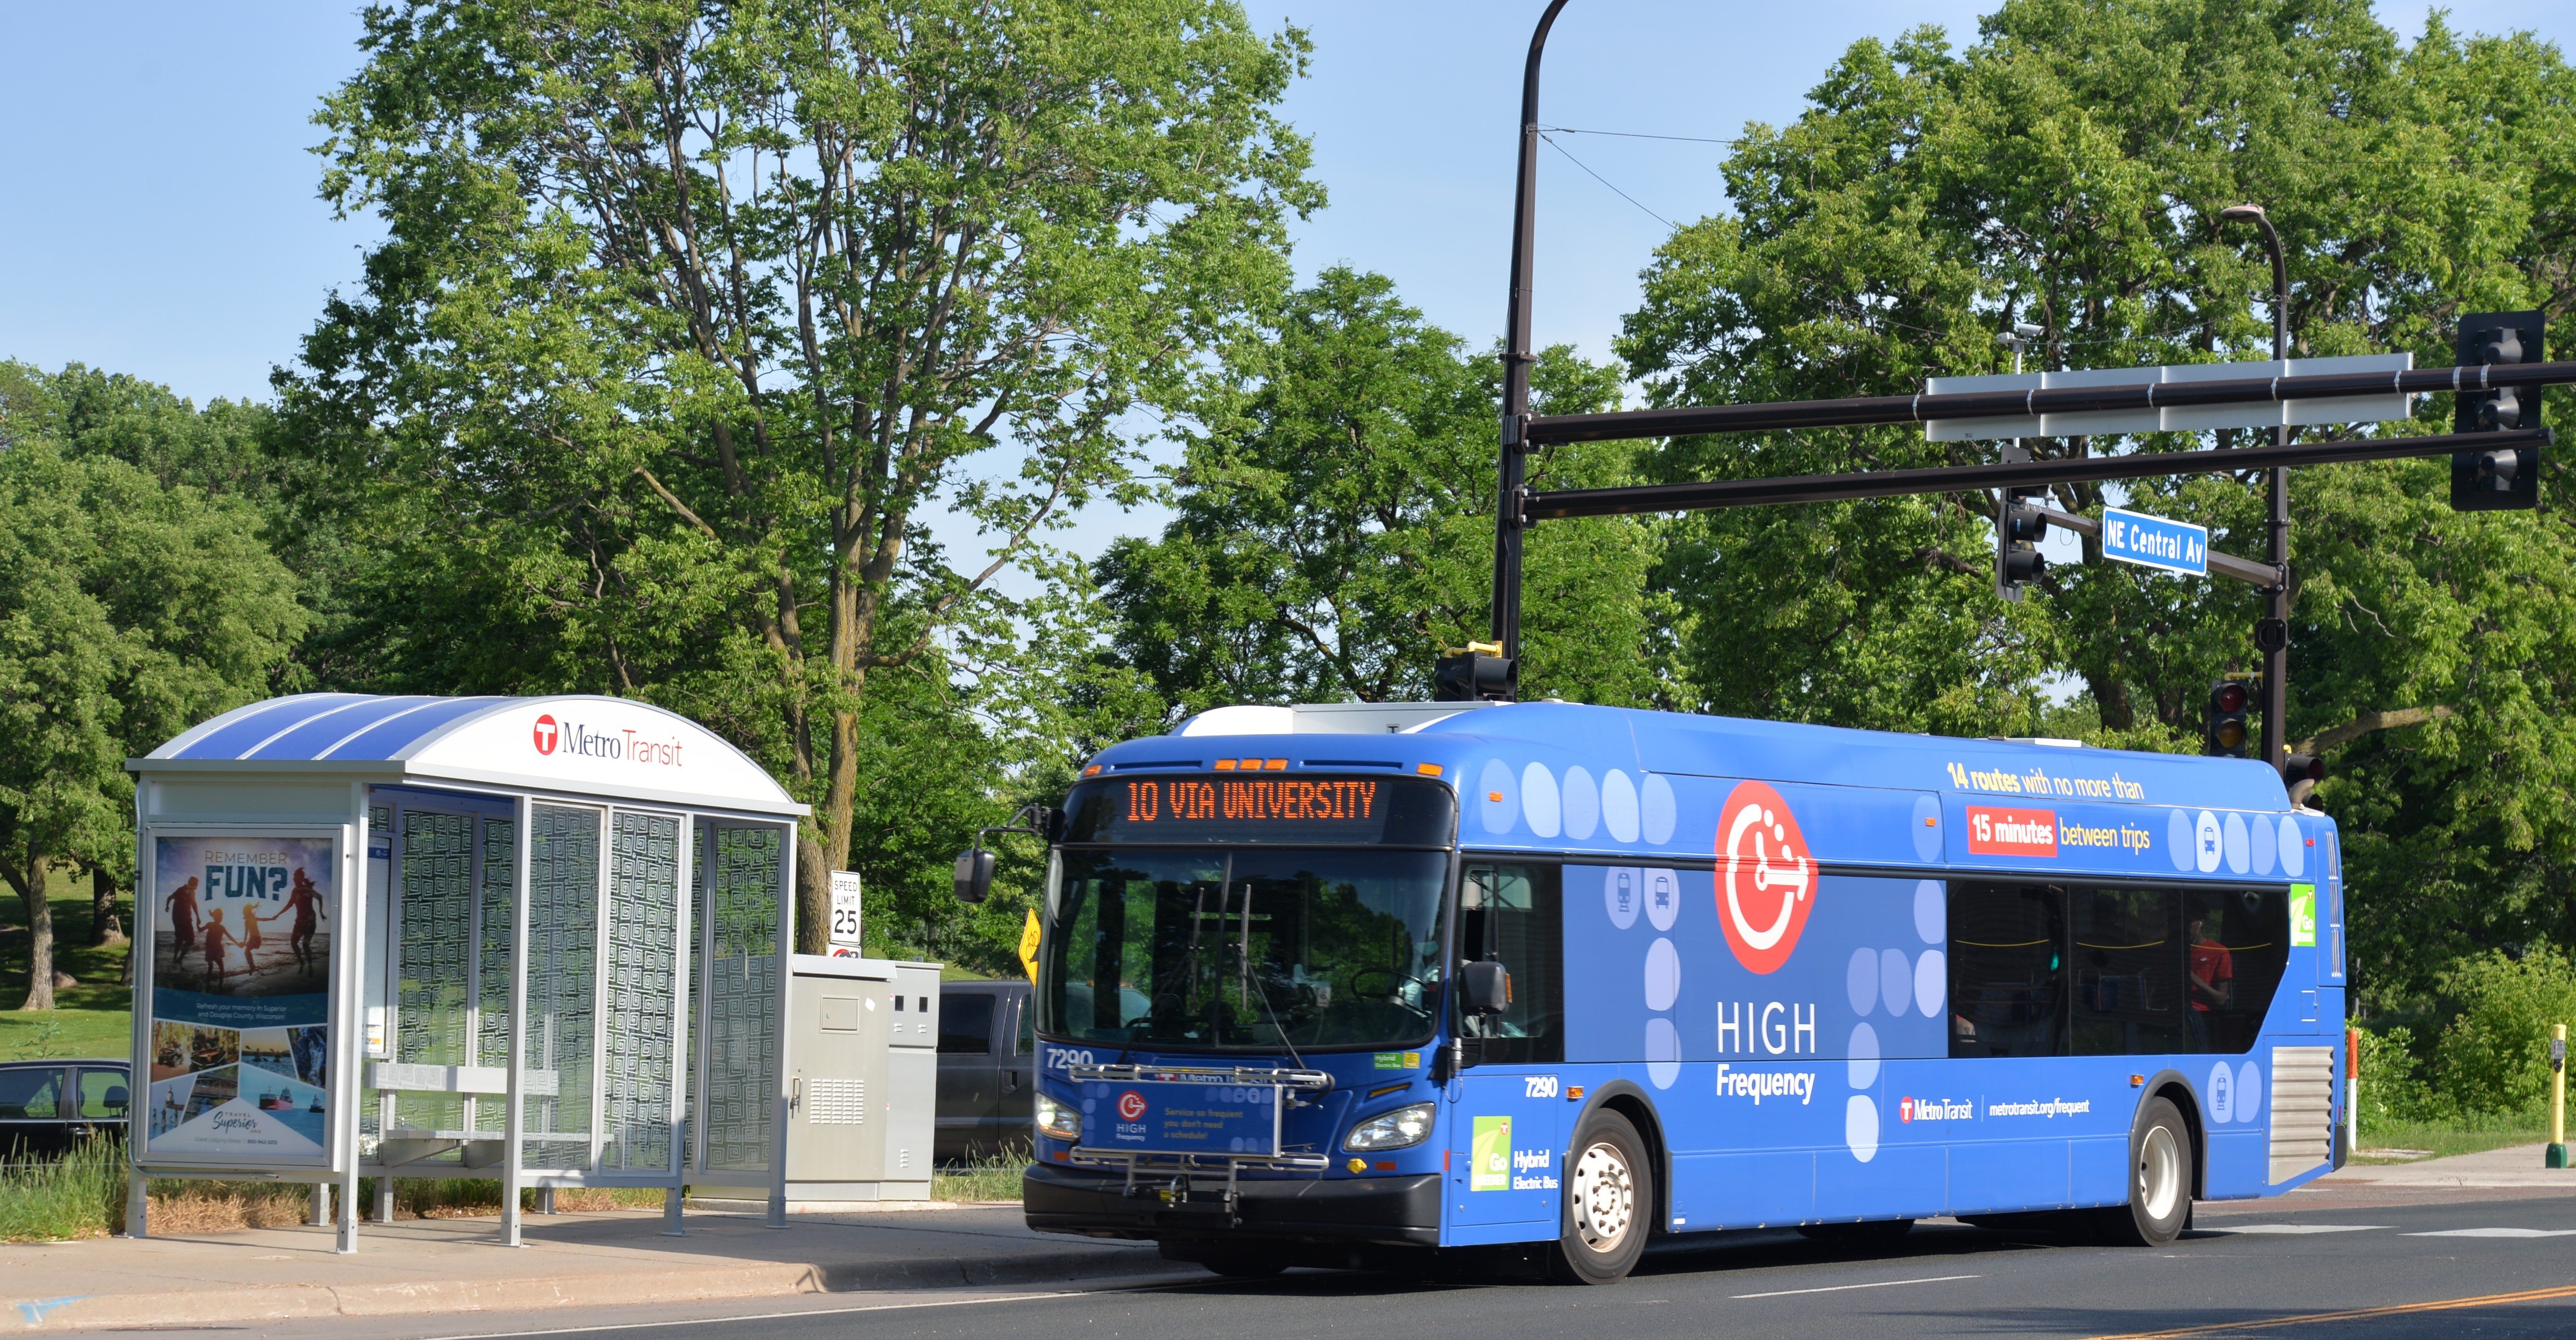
{"x": 1766, "y": 880}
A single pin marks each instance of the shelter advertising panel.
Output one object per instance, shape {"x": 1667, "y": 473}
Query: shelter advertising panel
{"x": 242, "y": 939}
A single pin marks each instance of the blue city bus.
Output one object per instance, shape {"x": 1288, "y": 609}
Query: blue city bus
{"x": 1318, "y": 981}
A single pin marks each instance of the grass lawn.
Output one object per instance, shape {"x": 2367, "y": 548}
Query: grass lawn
{"x": 91, "y": 1019}
{"x": 2387, "y": 1141}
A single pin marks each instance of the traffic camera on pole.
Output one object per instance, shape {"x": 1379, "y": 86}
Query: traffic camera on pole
{"x": 2226, "y": 731}
{"x": 2506, "y": 479}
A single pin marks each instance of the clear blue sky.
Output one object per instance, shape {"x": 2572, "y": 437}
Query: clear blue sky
{"x": 160, "y": 214}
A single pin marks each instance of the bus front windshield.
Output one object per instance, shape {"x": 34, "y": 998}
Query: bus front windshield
{"x": 1243, "y": 948}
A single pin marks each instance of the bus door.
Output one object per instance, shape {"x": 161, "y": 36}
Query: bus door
{"x": 1504, "y": 1178}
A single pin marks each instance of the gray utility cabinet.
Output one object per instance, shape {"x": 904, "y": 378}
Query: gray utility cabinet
{"x": 863, "y": 1079}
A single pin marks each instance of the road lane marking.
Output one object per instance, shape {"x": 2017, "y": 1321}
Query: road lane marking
{"x": 2356, "y": 1314}
{"x": 1838, "y": 1288}
{"x": 784, "y": 1316}
{"x": 2296, "y": 1228}
{"x": 2496, "y": 1233}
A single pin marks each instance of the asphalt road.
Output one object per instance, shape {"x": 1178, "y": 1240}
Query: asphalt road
{"x": 2450, "y": 1268}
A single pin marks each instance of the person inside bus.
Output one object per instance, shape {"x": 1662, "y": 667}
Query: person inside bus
{"x": 2213, "y": 970}
{"x": 2213, "y": 978}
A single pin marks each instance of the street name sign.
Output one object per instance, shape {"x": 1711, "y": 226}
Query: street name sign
{"x": 2154, "y": 542}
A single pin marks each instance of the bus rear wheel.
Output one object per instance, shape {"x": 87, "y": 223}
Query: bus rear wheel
{"x": 1609, "y": 1193}
{"x": 2160, "y": 1181}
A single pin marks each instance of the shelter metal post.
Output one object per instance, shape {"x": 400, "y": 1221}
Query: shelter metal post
{"x": 683, "y": 1121}
{"x": 514, "y": 1120}
{"x": 778, "y": 1117}
{"x": 347, "y": 1041}
{"x": 138, "y": 1201}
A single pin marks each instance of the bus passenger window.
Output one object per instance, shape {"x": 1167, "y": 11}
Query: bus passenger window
{"x": 1512, "y": 914}
{"x": 2236, "y": 944}
{"x": 2128, "y": 973}
{"x": 2007, "y": 970}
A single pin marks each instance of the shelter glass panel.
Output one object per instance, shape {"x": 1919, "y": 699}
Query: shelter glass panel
{"x": 492, "y": 961}
{"x": 436, "y": 908}
{"x": 380, "y": 823}
{"x": 743, "y": 866}
{"x": 643, "y": 965}
{"x": 563, "y": 978}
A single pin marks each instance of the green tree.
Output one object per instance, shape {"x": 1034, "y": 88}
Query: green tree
{"x": 129, "y": 610}
{"x": 225, "y": 450}
{"x": 1335, "y": 523}
{"x": 691, "y": 316}
{"x": 2494, "y": 1056}
{"x": 2067, "y": 170}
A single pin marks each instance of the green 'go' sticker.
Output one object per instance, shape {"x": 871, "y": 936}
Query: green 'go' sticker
{"x": 1490, "y": 1165}
{"x": 2303, "y": 916}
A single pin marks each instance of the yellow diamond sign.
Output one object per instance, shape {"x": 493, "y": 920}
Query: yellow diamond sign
{"x": 1029, "y": 945}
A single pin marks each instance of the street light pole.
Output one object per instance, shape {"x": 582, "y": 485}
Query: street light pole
{"x": 2272, "y": 633}
{"x": 1508, "y": 522}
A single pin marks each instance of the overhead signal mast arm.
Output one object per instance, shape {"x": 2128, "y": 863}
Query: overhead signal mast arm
{"x": 1717, "y": 494}
{"x": 1857, "y": 411}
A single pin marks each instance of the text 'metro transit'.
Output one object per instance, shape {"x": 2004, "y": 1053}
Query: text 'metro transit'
{"x": 1312, "y": 809}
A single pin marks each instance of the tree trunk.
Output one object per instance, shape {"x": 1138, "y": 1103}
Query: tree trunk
{"x": 103, "y": 929}
{"x": 813, "y": 889}
{"x": 40, "y": 937}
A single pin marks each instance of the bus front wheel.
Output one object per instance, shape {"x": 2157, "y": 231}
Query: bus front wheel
{"x": 1609, "y": 1193}
{"x": 2160, "y": 1180}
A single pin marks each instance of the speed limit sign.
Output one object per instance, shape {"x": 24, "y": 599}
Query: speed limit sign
{"x": 845, "y": 914}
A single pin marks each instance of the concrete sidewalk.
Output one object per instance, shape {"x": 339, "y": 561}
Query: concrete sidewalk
{"x": 2516, "y": 1167}
{"x": 571, "y": 1261}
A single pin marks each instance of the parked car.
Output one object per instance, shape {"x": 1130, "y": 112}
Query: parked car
{"x": 987, "y": 1070}
{"x": 49, "y": 1107}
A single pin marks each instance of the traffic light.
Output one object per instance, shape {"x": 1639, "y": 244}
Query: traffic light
{"x": 1476, "y": 672}
{"x": 2230, "y": 701}
{"x": 2017, "y": 557}
{"x": 2302, "y": 772}
{"x": 2506, "y": 480}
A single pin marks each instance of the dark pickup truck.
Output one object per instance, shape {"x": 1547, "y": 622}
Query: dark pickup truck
{"x": 49, "y": 1107}
{"x": 987, "y": 1070}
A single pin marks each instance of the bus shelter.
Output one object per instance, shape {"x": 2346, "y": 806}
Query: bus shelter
{"x": 543, "y": 940}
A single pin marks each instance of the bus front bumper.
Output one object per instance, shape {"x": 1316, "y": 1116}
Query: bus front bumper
{"x": 1393, "y": 1210}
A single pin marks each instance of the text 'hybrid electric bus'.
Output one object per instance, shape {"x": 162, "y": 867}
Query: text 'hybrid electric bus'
{"x": 1448, "y": 975}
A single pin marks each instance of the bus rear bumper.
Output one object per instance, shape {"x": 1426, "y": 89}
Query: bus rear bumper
{"x": 1393, "y": 1210}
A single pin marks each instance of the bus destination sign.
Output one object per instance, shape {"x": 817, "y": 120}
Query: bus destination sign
{"x": 1220, "y": 808}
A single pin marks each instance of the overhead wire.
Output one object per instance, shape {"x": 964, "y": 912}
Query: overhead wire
{"x": 1614, "y": 189}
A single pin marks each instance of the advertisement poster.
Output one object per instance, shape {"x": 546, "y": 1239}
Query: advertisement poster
{"x": 241, "y": 1005}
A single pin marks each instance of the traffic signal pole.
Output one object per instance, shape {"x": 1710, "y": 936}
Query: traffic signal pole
{"x": 1509, "y": 522}
{"x": 2272, "y": 633}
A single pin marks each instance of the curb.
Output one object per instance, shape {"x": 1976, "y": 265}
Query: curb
{"x": 602, "y": 1289}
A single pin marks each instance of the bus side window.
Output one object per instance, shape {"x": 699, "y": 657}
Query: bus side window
{"x": 2128, "y": 970}
{"x": 2007, "y": 970}
{"x": 2236, "y": 945}
{"x": 1513, "y": 914}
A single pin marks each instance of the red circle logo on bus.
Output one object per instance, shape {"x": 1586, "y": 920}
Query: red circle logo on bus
{"x": 545, "y": 733}
{"x": 1766, "y": 882}
{"x": 1131, "y": 1105}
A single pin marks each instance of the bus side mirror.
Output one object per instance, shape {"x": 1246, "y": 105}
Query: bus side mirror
{"x": 1485, "y": 986}
{"x": 974, "y": 875}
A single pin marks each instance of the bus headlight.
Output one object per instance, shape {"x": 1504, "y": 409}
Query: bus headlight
{"x": 1057, "y": 1121}
{"x": 1402, "y": 1128}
